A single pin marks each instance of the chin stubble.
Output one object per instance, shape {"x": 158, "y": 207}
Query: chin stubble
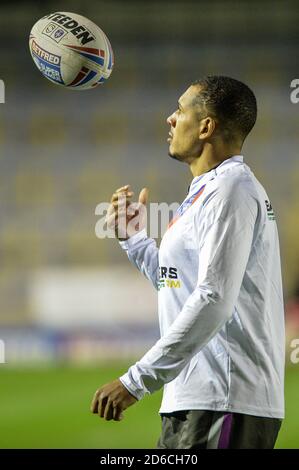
{"x": 175, "y": 156}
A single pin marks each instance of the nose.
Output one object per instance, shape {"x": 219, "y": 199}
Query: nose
{"x": 171, "y": 120}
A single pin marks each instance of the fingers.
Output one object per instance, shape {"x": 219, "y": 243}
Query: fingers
{"x": 117, "y": 414}
{"x": 143, "y": 196}
{"x": 102, "y": 406}
{"x": 105, "y": 408}
{"x": 123, "y": 189}
{"x": 117, "y": 218}
{"x": 117, "y": 206}
{"x": 122, "y": 204}
{"x": 121, "y": 194}
{"x": 110, "y": 411}
{"x": 127, "y": 192}
{"x": 94, "y": 403}
{"x": 121, "y": 211}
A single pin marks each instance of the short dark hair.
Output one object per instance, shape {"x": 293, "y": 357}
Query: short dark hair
{"x": 231, "y": 102}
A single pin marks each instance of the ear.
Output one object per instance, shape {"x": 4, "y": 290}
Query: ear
{"x": 206, "y": 128}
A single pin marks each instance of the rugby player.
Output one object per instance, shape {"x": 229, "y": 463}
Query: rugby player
{"x": 220, "y": 357}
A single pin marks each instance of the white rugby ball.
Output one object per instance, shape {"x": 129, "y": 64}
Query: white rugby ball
{"x": 71, "y": 51}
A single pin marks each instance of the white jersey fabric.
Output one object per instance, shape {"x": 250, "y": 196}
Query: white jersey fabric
{"x": 221, "y": 314}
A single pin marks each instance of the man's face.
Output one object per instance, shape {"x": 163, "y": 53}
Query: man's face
{"x": 184, "y": 142}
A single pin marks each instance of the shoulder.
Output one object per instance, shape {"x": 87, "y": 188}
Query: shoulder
{"x": 234, "y": 189}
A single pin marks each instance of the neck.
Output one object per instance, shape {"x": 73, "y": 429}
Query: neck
{"x": 210, "y": 158}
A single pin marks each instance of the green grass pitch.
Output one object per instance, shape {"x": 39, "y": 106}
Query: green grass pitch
{"x": 49, "y": 408}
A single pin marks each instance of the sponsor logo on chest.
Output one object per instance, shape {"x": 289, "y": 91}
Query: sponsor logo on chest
{"x": 168, "y": 277}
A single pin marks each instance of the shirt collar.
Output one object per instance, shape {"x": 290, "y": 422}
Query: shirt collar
{"x": 216, "y": 171}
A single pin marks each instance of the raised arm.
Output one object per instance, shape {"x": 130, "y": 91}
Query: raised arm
{"x": 128, "y": 221}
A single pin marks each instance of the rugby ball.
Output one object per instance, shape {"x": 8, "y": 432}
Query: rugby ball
{"x": 71, "y": 51}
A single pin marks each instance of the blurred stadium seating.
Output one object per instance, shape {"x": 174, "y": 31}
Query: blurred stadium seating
{"x": 62, "y": 153}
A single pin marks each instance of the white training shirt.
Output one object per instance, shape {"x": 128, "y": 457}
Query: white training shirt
{"x": 220, "y": 299}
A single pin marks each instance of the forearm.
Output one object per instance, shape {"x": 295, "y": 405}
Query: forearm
{"x": 189, "y": 333}
{"x": 144, "y": 254}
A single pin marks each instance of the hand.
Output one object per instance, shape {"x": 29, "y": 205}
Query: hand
{"x": 123, "y": 216}
{"x": 111, "y": 400}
